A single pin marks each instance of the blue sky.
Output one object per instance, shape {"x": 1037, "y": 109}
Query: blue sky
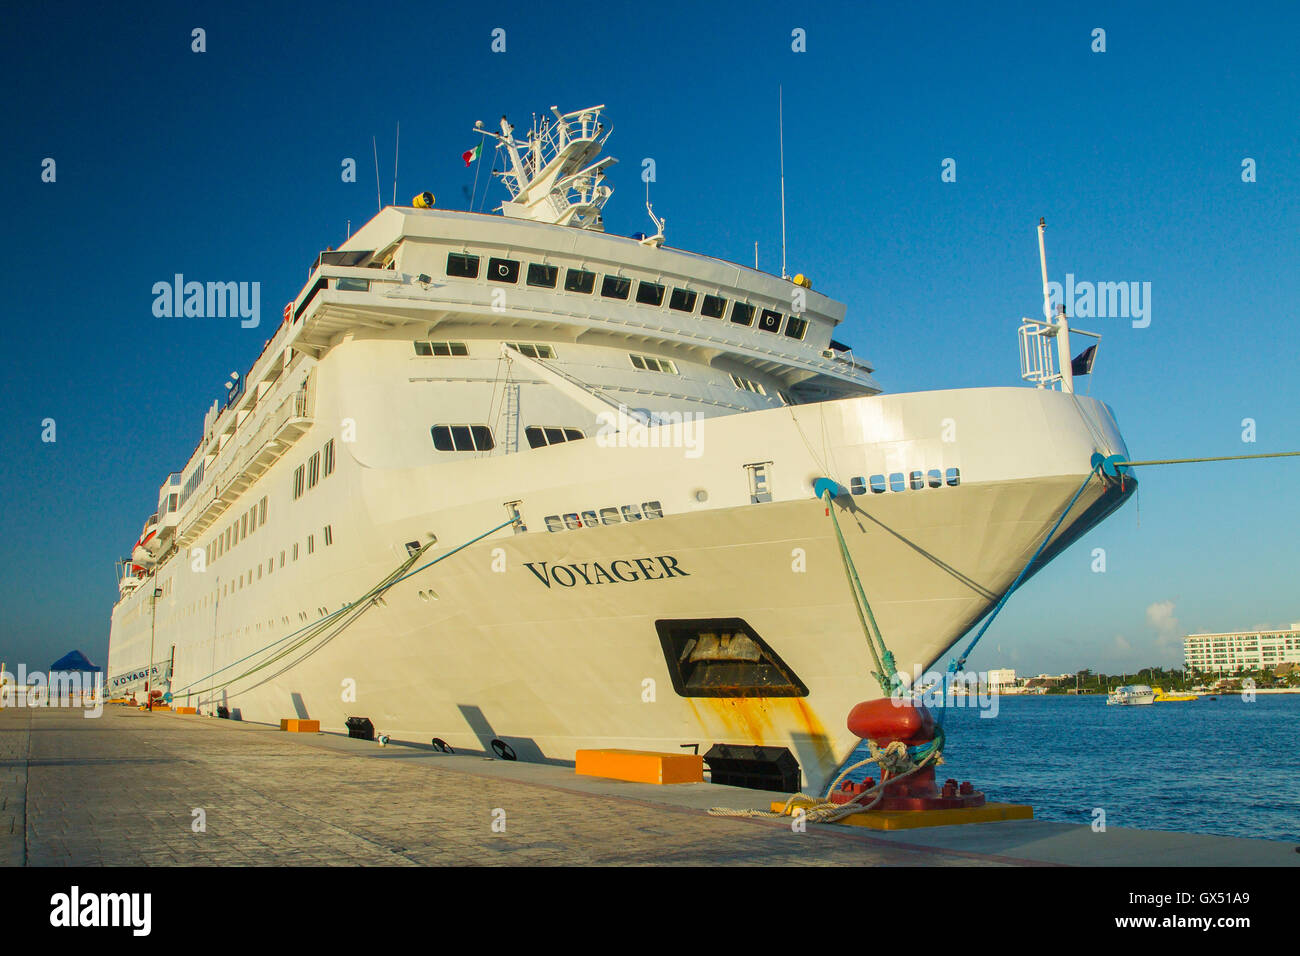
{"x": 225, "y": 165}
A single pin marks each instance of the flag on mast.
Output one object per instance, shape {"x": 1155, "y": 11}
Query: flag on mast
{"x": 471, "y": 155}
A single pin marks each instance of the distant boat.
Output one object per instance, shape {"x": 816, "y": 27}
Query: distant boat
{"x": 1173, "y": 697}
{"x": 1131, "y": 695}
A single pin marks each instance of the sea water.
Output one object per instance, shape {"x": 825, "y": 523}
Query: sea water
{"x": 1229, "y": 766}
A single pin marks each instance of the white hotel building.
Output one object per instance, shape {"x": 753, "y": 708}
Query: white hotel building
{"x": 1242, "y": 650}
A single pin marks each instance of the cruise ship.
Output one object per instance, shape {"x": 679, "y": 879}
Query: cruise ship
{"x": 519, "y": 485}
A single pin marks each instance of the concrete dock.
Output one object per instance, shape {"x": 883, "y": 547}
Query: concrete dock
{"x": 133, "y": 788}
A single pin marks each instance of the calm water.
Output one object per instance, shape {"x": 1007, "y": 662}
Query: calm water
{"x": 1223, "y": 766}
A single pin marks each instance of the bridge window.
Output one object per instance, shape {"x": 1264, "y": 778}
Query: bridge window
{"x": 462, "y": 266}
{"x": 539, "y": 436}
{"x": 579, "y": 280}
{"x": 615, "y": 287}
{"x": 795, "y": 327}
{"x": 650, "y": 293}
{"x": 503, "y": 270}
{"x": 746, "y": 385}
{"x": 683, "y": 300}
{"x": 462, "y": 438}
{"x": 441, "y": 349}
{"x": 713, "y": 306}
{"x": 742, "y": 313}
{"x": 542, "y": 275}
{"x": 770, "y": 321}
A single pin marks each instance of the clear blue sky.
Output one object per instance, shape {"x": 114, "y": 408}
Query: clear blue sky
{"x": 225, "y": 165}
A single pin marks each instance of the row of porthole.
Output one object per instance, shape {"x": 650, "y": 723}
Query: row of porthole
{"x": 897, "y": 481}
{"x": 590, "y": 519}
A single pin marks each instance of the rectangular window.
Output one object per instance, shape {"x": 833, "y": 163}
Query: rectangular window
{"x": 683, "y": 300}
{"x": 769, "y": 321}
{"x": 262, "y": 509}
{"x": 713, "y": 306}
{"x": 327, "y": 468}
{"x": 311, "y": 544}
{"x": 537, "y": 350}
{"x": 313, "y": 470}
{"x": 615, "y": 287}
{"x": 423, "y": 348}
{"x": 650, "y": 293}
{"x": 795, "y": 327}
{"x": 462, "y": 266}
{"x": 345, "y": 284}
{"x": 252, "y": 519}
{"x": 579, "y": 280}
{"x": 648, "y": 363}
{"x": 295, "y": 550}
{"x": 329, "y": 534}
{"x": 917, "y": 480}
{"x": 609, "y": 516}
{"x": 281, "y": 559}
{"x": 742, "y": 313}
{"x": 748, "y": 386}
{"x": 503, "y": 270}
{"x": 540, "y": 436}
{"x": 877, "y": 484}
{"x": 543, "y": 276}
{"x": 462, "y": 438}
{"x": 299, "y": 475}
{"x": 760, "y": 486}
{"x": 897, "y": 482}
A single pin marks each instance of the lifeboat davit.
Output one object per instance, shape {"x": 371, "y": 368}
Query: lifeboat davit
{"x": 140, "y": 553}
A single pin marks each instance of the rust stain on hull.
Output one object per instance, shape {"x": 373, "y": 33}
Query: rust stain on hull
{"x": 760, "y": 720}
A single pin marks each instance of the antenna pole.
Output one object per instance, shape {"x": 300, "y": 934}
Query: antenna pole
{"x": 396, "y": 150}
{"x": 1042, "y": 260}
{"x": 379, "y": 197}
{"x": 781, "y": 123}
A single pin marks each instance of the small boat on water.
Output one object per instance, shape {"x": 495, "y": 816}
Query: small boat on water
{"x": 1173, "y": 697}
{"x": 1131, "y": 695}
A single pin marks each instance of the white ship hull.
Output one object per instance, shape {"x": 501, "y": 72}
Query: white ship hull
{"x": 553, "y": 667}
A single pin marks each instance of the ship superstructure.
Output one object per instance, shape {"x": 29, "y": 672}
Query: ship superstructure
{"x": 609, "y": 448}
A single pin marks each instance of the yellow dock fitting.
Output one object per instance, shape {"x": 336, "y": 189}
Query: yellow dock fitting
{"x": 640, "y": 766}
{"x": 186, "y": 710}
{"x": 915, "y": 819}
{"x": 296, "y": 726}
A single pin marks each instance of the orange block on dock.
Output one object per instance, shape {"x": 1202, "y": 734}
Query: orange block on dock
{"x": 640, "y": 766}
{"x": 185, "y": 710}
{"x": 300, "y": 726}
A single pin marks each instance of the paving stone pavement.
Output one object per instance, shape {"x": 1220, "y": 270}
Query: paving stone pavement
{"x": 122, "y": 790}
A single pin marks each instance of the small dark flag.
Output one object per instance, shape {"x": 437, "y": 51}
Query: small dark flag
{"x": 1081, "y": 364}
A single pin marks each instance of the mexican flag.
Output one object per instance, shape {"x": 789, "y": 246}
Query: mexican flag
{"x": 471, "y": 155}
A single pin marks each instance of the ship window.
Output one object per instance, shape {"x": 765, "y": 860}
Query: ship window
{"x": 589, "y": 519}
{"x": 609, "y": 516}
{"x": 615, "y": 287}
{"x": 542, "y": 275}
{"x": 858, "y": 486}
{"x": 540, "y": 436}
{"x": 313, "y": 470}
{"x": 503, "y": 270}
{"x": 769, "y": 321}
{"x": 344, "y": 284}
{"x": 462, "y": 266}
{"x": 630, "y": 513}
{"x": 746, "y": 385}
{"x": 683, "y": 300}
{"x": 713, "y": 306}
{"x": 742, "y": 313}
{"x": 652, "y": 509}
{"x": 572, "y": 522}
{"x": 877, "y": 484}
{"x": 243, "y": 525}
{"x": 796, "y": 327}
{"x": 650, "y": 293}
{"x": 262, "y": 504}
{"x": 936, "y": 478}
{"x": 327, "y": 468}
{"x": 311, "y": 544}
{"x": 553, "y": 523}
{"x": 537, "y": 350}
{"x": 329, "y": 534}
{"x": 917, "y": 480}
{"x": 954, "y": 476}
{"x": 897, "y": 482}
{"x": 462, "y": 438}
{"x": 579, "y": 280}
{"x": 281, "y": 559}
{"x": 299, "y": 475}
{"x": 295, "y": 550}
{"x": 423, "y": 348}
{"x": 648, "y": 363}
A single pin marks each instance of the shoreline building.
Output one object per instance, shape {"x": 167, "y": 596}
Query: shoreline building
{"x": 1236, "y": 651}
